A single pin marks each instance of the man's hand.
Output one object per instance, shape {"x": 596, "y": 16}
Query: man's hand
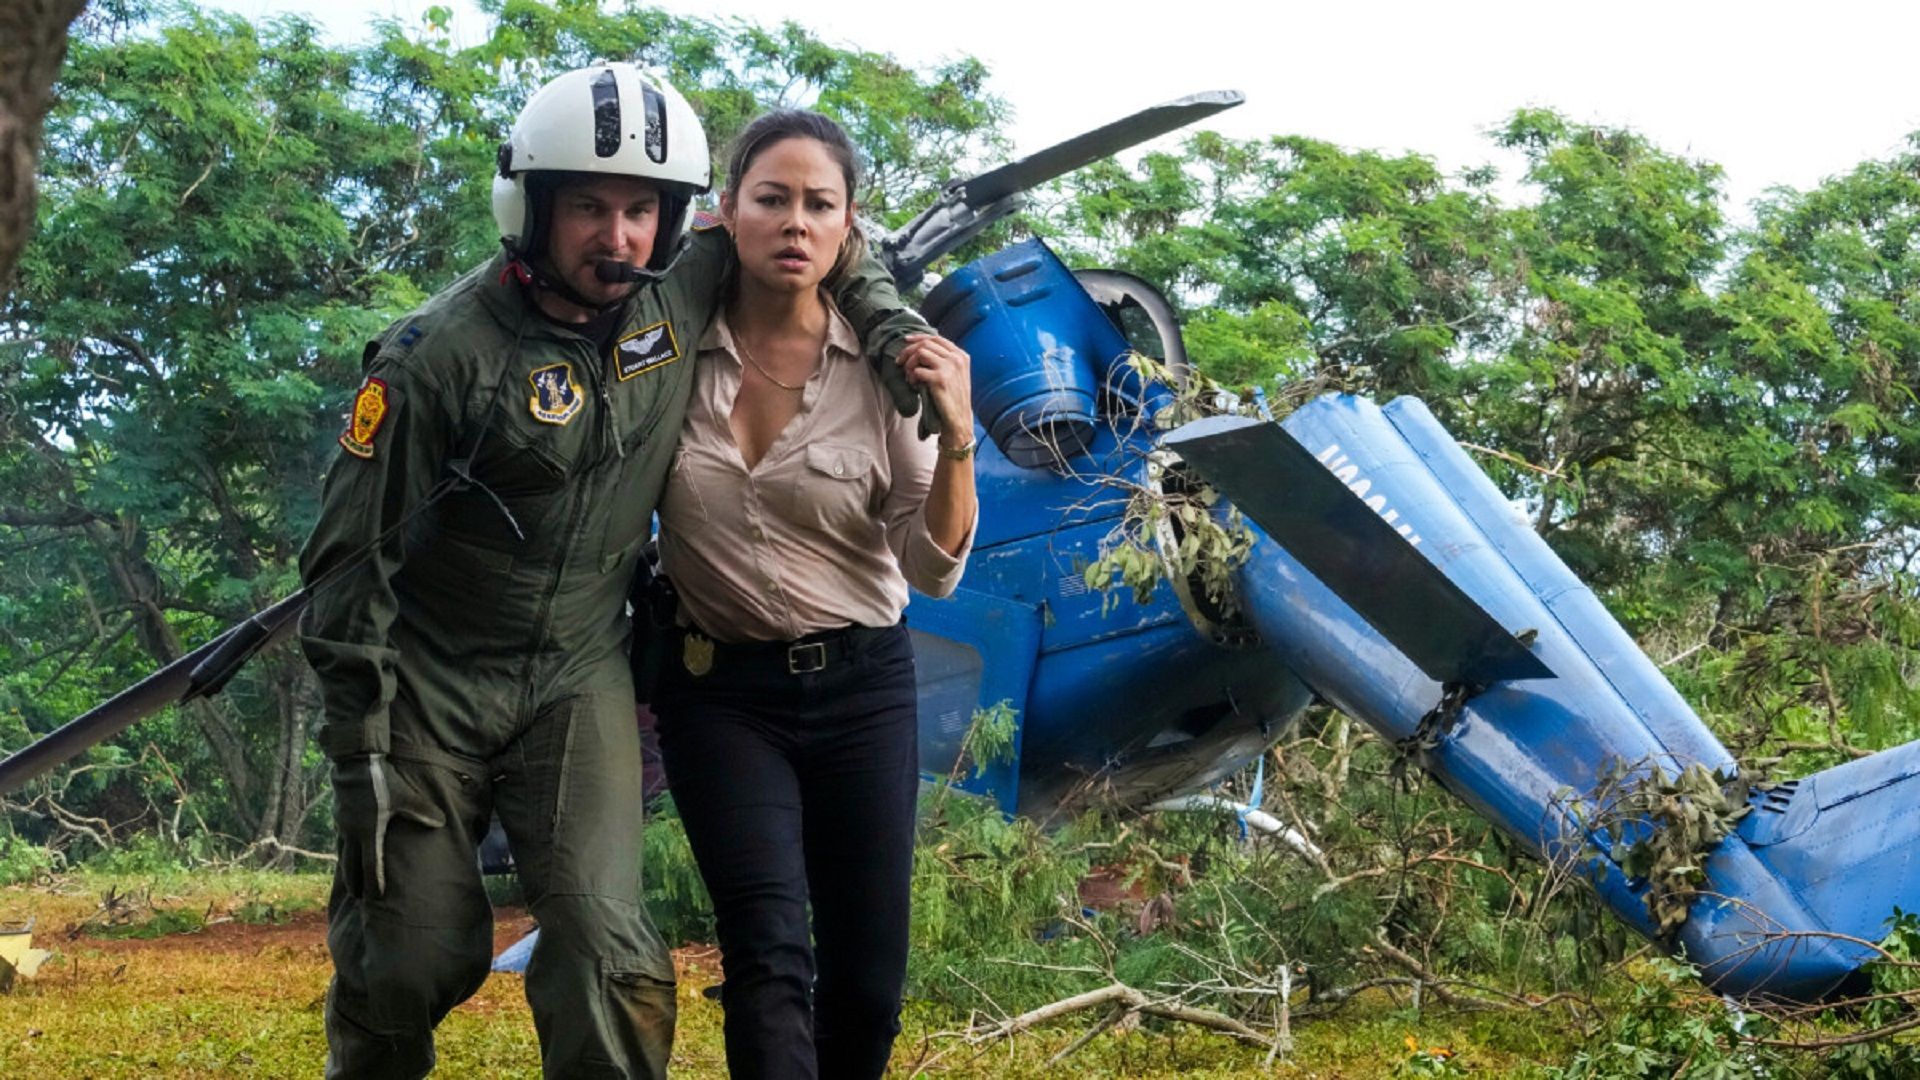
{"x": 368, "y": 795}
{"x": 942, "y": 374}
{"x": 906, "y": 397}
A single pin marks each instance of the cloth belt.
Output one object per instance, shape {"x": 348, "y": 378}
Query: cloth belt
{"x": 801, "y": 656}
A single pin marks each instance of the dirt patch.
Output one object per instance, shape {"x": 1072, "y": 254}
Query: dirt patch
{"x": 510, "y": 924}
{"x": 308, "y": 930}
{"x": 301, "y": 930}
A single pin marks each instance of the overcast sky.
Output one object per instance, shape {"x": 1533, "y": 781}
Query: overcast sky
{"x": 1777, "y": 94}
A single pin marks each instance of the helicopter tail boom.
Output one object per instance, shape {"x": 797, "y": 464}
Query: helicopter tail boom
{"x": 1793, "y": 891}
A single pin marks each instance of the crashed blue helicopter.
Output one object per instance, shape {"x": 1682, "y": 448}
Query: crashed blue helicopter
{"x": 1387, "y": 576}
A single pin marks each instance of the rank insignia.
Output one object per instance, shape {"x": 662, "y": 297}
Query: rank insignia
{"x": 369, "y": 412}
{"x": 698, "y": 653}
{"x": 645, "y": 349}
{"x": 556, "y": 397}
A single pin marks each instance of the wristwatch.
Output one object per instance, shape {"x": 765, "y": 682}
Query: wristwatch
{"x": 957, "y": 453}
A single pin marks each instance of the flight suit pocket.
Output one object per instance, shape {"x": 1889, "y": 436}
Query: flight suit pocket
{"x": 638, "y": 994}
{"x": 437, "y": 809}
{"x": 519, "y": 488}
{"x": 516, "y": 459}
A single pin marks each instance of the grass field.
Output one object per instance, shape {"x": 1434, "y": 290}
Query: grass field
{"x": 223, "y": 975}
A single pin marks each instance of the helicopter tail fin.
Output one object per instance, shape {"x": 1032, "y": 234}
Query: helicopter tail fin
{"x": 1848, "y": 838}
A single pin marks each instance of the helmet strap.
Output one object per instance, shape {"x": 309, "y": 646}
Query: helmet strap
{"x": 533, "y": 274}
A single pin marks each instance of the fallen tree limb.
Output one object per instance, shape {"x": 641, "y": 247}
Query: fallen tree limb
{"x": 1120, "y": 999}
{"x": 1427, "y": 980}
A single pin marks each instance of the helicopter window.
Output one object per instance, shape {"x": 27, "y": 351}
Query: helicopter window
{"x": 1137, "y": 327}
{"x": 949, "y": 675}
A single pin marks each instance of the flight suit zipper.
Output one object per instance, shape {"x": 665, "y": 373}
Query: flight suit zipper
{"x": 609, "y": 428}
{"x": 585, "y": 484}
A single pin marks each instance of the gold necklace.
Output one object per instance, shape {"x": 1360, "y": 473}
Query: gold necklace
{"x": 741, "y": 344}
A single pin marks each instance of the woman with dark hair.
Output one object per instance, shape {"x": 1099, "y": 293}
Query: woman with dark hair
{"x": 799, "y": 510}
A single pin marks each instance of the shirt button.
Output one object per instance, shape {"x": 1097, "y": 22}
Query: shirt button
{"x": 839, "y": 470}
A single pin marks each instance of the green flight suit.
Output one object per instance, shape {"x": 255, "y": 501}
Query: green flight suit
{"x": 481, "y": 653}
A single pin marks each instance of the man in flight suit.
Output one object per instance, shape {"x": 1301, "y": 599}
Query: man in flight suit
{"x": 470, "y": 570}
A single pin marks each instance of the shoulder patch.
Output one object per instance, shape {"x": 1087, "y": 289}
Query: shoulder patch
{"x": 645, "y": 349}
{"x": 556, "y": 397}
{"x": 363, "y": 423}
{"x": 702, "y": 221}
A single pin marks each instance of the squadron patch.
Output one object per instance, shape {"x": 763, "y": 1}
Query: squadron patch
{"x": 369, "y": 412}
{"x": 556, "y": 397}
{"x": 644, "y": 350}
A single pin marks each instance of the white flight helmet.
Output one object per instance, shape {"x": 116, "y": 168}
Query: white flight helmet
{"x": 610, "y": 119}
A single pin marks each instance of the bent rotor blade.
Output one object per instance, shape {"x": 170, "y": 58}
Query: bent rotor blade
{"x": 199, "y": 673}
{"x": 1062, "y": 158}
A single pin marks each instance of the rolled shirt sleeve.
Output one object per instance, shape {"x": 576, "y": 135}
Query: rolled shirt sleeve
{"x": 923, "y": 562}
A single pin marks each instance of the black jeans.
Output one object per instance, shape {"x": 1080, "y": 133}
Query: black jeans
{"x": 798, "y": 788}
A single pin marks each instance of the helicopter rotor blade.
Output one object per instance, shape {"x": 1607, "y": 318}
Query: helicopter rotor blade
{"x": 202, "y": 672}
{"x": 1085, "y": 149}
{"x": 969, "y": 206}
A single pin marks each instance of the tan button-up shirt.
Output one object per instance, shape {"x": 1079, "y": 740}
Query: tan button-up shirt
{"x": 827, "y": 530}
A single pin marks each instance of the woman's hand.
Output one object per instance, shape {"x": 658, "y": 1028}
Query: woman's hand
{"x": 942, "y": 367}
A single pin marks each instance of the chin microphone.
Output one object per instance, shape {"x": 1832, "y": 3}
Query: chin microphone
{"x": 615, "y": 272}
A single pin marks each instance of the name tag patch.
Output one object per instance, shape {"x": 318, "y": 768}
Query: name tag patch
{"x": 556, "y": 397}
{"x": 369, "y": 412}
{"x": 645, "y": 349}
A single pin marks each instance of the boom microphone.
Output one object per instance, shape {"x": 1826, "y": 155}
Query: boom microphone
{"x": 615, "y": 272}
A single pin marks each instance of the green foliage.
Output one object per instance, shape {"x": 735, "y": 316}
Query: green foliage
{"x": 163, "y": 923}
{"x": 1669, "y": 1029}
{"x": 676, "y": 896}
{"x": 1895, "y": 975}
{"x": 1895, "y": 982}
{"x": 1429, "y": 1061}
{"x": 1662, "y": 830}
{"x": 1174, "y": 528}
{"x": 143, "y": 855}
{"x": 261, "y": 910}
{"x": 23, "y": 862}
{"x": 991, "y": 736}
{"x": 1301, "y": 260}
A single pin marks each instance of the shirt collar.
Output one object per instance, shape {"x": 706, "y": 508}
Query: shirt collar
{"x": 842, "y": 342}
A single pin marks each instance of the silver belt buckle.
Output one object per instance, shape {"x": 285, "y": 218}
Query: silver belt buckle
{"x": 806, "y": 659}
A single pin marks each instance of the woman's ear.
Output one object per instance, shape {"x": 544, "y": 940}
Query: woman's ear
{"x": 728, "y": 204}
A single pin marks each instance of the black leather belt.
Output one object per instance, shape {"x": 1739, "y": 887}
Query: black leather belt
{"x": 801, "y": 656}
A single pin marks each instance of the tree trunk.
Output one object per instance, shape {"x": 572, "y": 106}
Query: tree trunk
{"x": 33, "y": 45}
{"x": 286, "y": 807}
{"x": 139, "y": 583}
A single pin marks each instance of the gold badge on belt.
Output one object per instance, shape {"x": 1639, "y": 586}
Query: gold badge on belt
{"x": 698, "y": 653}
